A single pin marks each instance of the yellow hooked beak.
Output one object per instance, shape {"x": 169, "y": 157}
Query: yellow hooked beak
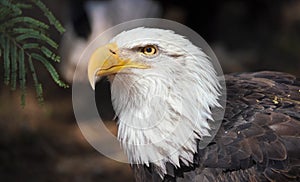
{"x": 106, "y": 61}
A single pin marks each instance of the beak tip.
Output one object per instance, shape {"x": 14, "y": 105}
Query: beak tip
{"x": 92, "y": 83}
{"x": 93, "y": 86}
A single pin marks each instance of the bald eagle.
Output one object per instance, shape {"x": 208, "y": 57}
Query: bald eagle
{"x": 163, "y": 91}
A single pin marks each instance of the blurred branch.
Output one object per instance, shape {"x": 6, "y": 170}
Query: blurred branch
{"x": 24, "y": 38}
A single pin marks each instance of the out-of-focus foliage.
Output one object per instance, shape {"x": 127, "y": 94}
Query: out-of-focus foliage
{"x": 24, "y": 40}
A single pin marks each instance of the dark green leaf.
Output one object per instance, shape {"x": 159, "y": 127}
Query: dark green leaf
{"x": 14, "y": 66}
{"x": 23, "y": 6}
{"x": 49, "y": 54}
{"x": 22, "y": 76}
{"x": 28, "y": 21}
{"x": 15, "y": 9}
{"x": 6, "y": 62}
{"x": 4, "y": 12}
{"x": 32, "y": 34}
{"x": 53, "y": 21}
{"x": 50, "y": 69}
{"x": 37, "y": 85}
{"x": 31, "y": 46}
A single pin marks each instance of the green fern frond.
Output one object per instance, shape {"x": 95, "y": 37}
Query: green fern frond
{"x": 15, "y": 10}
{"x": 49, "y": 54}
{"x": 37, "y": 85}
{"x": 6, "y": 61}
{"x": 22, "y": 76}
{"x": 52, "y": 20}
{"x": 25, "y": 38}
{"x": 29, "y": 33}
{"x": 23, "y": 6}
{"x": 31, "y": 46}
{"x": 28, "y": 21}
{"x": 14, "y": 67}
{"x": 50, "y": 68}
{"x": 4, "y": 11}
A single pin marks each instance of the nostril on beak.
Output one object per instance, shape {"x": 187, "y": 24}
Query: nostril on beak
{"x": 113, "y": 52}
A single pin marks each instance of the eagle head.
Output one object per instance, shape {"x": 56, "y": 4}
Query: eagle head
{"x": 162, "y": 89}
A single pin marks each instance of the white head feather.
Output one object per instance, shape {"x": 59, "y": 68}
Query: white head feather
{"x": 165, "y": 109}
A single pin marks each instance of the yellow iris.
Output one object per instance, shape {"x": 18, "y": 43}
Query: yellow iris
{"x": 149, "y": 50}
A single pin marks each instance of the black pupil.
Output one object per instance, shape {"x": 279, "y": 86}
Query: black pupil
{"x": 149, "y": 49}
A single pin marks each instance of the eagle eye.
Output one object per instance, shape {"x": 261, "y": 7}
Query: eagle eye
{"x": 149, "y": 50}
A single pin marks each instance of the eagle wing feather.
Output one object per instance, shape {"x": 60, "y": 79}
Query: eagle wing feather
{"x": 259, "y": 139}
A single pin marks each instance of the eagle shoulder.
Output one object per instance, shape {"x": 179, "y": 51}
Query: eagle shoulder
{"x": 259, "y": 139}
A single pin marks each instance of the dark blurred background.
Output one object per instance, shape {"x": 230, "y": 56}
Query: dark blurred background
{"x": 44, "y": 143}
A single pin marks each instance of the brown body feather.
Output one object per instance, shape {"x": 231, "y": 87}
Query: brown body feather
{"x": 259, "y": 139}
